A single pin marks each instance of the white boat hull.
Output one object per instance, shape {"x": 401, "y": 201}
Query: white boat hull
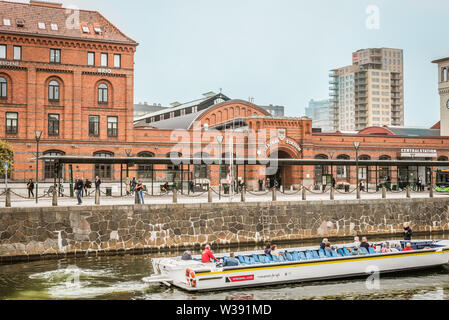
{"x": 209, "y": 277}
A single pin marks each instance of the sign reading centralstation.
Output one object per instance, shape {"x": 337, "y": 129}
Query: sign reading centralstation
{"x": 419, "y": 153}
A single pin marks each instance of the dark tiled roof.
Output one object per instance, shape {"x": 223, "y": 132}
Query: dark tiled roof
{"x": 35, "y": 12}
{"x": 414, "y": 132}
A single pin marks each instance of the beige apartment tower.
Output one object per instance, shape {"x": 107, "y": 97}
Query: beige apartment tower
{"x": 443, "y": 88}
{"x": 370, "y": 92}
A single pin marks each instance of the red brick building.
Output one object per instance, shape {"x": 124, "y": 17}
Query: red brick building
{"x": 70, "y": 74}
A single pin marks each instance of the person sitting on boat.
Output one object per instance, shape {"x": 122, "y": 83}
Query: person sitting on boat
{"x": 323, "y": 244}
{"x": 355, "y": 251}
{"x": 356, "y": 241}
{"x": 407, "y": 232}
{"x": 231, "y": 261}
{"x": 207, "y": 255}
{"x": 268, "y": 249}
{"x": 384, "y": 248}
{"x": 365, "y": 243}
{"x": 187, "y": 255}
{"x": 408, "y": 247}
{"x": 274, "y": 251}
{"x": 397, "y": 248}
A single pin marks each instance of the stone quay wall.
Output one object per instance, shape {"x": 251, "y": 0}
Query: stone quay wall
{"x": 44, "y": 233}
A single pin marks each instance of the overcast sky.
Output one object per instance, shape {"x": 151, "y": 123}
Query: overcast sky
{"x": 277, "y": 51}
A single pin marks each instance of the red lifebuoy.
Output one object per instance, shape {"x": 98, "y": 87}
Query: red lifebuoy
{"x": 191, "y": 278}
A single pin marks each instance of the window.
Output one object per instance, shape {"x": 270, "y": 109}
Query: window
{"x": 86, "y": 29}
{"x": 3, "y": 88}
{"x": 53, "y": 91}
{"x": 49, "y": 167}
{"x": 112, "y": 126}
{"x": 2, "y": 51}
{"x": 54, "y": 27}
{"x": 17, "y": 53}
{"x": 342, "y": 171}
{"x": 53, "y": 124}
{"x": 104, "y": 171}
{"x": 11, "y": 122}
{"x": 98, "y": 30}
{"x": 117, "y": 60}
{"x": 103, "y": 93}
{"x": 6, "y": 22}
{"x": 41, "y": 25}
{"x": 55, "y": 55}
{"x": 104, "y": 59}
{"x": 91, "y": 58}
{"x": 94, "y": 126}
{"x": 144, "y": 171}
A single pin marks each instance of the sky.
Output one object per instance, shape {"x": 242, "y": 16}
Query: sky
{"x": 278, "y": 51}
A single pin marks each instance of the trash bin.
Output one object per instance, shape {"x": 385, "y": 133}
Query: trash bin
{"x": 226, "y": 188}
{"x": 346, "y": 188}
{"x": 108, "y": 192}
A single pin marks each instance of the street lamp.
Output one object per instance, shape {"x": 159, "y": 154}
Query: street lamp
{"x": 331, "y": 154}
{"x": 357, "y": 146}
{"x": 220, "y": 141}
{"x": 128, "y": 154}
{"x": 37, "y": 135}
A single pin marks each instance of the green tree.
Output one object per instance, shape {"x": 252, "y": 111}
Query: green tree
{"x": 6, "y": 154}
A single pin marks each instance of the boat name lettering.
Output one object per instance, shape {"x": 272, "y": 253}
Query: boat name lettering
{"x": 242, "y": 278}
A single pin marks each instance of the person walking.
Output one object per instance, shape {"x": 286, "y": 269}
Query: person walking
{"x": 407, "y": 232}
{"x": 139, "y": 190}
{"x": 30, "y": 187}
{"x": 128, "y": 186}
{"x": 82, "y": 187}
{"x": 79, "y": 186}
{"x": 420, "y": 185}
{"x": 260, "y": 185}
{"x": 97, "y": 183}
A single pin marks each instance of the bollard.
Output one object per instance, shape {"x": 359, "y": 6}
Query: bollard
{"x": 332, "y": 193}
{"x": 175, "y": 195}
{"x": 136, "y": 197}
{"x": 54, "y": 202}
{"x": 384, "y": 192}
{"x": 209, "y": 195}
{"x": 304, "y": 194}
{"x": 97, "y": 197}
{"x": 431, "y": 191}
{"x": 8, "y": 198}
{"x": 274, "y": 197}
{"x": 358, "y": 193}
{"x": 243, "y": 194}
{"x": 408, "y": 192}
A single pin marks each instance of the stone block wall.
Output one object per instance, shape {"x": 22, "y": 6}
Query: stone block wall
{"x": 35, "y": 233}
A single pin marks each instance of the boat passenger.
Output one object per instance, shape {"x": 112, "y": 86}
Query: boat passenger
{"x": 355, "y": 251}
{"x": 385, "y": 248}
{"x": 398, "y": 247}
{"x": 268, "y": 249}
{"x": 407, "y": 232}
{"x": 274, "y": 251}
{"x": 408, "y": 247}
{"x": 207, "y": 255}
{"x": 323, "y": 244}
{"x": 365, "y": 243}
{"x": 231, "y": 261}
{"x": 357, "y": 241}
{"x": 187, "y": 255}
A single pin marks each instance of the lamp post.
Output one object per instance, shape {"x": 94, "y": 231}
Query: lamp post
{"x": 37, "y": 135}
{"x": 128, "y": 154}
{"x": 331, "y": 154}
{"x": 220, "y": 141}
{"x": 357, "y": 146}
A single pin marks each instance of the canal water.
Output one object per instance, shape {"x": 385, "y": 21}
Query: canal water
{"x": 120, "y": 278}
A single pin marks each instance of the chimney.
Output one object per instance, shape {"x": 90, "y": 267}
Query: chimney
{"x": 45, "y": 4}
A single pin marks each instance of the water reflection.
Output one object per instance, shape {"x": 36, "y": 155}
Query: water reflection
{"x": 121, "y": 278}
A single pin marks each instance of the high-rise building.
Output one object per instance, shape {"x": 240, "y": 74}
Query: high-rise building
{"x": 443, "y": 89}
{"x": 370, "y": 92}
{"x": 319, "y": 112}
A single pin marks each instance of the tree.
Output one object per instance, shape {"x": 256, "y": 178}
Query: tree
{"x": 6, "y": 154}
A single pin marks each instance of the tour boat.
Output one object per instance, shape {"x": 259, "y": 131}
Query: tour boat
{"x": 295, "y": 265}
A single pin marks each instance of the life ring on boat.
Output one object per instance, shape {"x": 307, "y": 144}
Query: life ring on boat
{"x": 191, "y": 278}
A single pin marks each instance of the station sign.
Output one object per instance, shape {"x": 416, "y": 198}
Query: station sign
{"x": 9, "y": 63}
{"x": 419, "y": 153}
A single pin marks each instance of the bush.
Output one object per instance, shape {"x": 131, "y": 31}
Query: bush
{"x": 6, "y": 154}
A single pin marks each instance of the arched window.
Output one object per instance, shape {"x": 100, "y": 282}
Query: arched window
{"x": 49, "y": 166}
{"x": 444, "y": 72}
{"x": 104, "y": 171}
{"x": 364, "y": 171}
{"x": 103, "y": 93}
{"x": 145, "y": 171}
{"x": 53, "y": 90}
{"x": 443, "y": 158}
{"x": 384, "y": 172}
{"x": 3, "y": 88}
{"x": 173, "y": 170}
{"x": 201, "y": 171}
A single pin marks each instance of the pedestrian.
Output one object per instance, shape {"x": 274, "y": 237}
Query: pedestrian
{"x": 79, "y": 185}
{"x": 407, "y": 232}
{"x": 128, "y": 186}
{"x": 139, "y": 190}
{"x": 133, "y": 185}
{"x": 87, "y": 185}
{"x": 97, "y": 183}
{"x": 82, "y": 187}
{"x": 420, "y": 185}
{"x": 191, "y": 186}
{"x": 30, "y": 187}
{"x": 260, "y": 185}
